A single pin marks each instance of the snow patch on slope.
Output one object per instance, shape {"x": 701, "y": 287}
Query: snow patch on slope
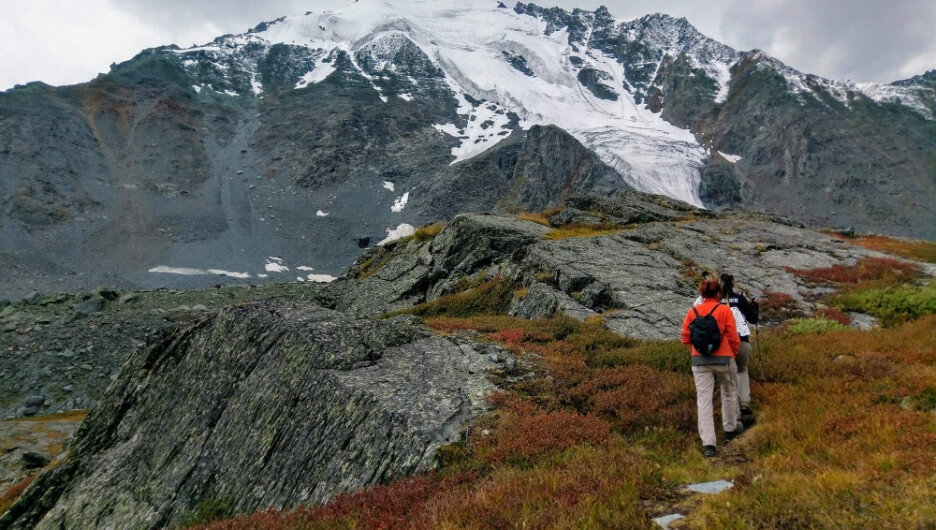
{"x": 400, "y": 203}
{"x": 399, "y": 232}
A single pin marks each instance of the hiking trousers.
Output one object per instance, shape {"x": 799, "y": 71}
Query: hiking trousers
{"x": 743, "y": 380}
{"x": 705, "y": 377}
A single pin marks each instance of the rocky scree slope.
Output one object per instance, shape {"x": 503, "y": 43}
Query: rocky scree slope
{"x": 309, "y": 137}
{"x": 267, "y": 404}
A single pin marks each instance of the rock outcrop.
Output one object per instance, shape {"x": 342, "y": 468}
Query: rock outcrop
{"x": 640, "y": 271}
{"x": 272, "y": 403}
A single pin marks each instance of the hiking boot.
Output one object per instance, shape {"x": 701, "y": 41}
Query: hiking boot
{"x": 708, "y": 451}
{"x": 735, "y": 433}
{"x": 746, "y": 411}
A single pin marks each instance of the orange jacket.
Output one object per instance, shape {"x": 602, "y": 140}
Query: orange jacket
{"x": 726, "y": 324}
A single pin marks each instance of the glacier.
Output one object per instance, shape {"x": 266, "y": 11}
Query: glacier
{"x": 476, "y": 43}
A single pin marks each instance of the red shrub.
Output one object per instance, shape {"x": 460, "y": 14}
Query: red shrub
{"x": 512, "y": 337}
{"x": 525, "y": 430}
{"x": 541, "y": 433}
{"x": 776, "y": 306}
{"x": 636, "y": 395}
{"x": 13, "y": 493}
{"x": 390, "y": 506}
{"x": 834, "y": 313}
{"x": 866, "y": 269}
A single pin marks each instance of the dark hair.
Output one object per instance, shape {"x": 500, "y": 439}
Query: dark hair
{"x": 727, "y": 283}
{"x": 710, "y": 288}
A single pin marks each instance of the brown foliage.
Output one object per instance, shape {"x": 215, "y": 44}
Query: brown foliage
{"x": 907, "y": 248}
{"x": 15, "y": 491}
{"x": 834, "y": 314}
{"x": 866, "y": 269}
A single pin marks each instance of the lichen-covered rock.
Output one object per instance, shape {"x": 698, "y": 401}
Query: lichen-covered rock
{"x": 269, "y": 404}
{"x": 543, "y": 301}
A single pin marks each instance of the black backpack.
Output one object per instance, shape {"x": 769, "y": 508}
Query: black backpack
{"x": 704, "y": 333}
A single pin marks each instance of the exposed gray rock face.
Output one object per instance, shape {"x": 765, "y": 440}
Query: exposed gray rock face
{"x": 269, "y": 404}
{"x": 529, "y": 171}
{"x": 543, "y": 301}
{"x": 817, "y": 159}
{"x": 642, "y": 278}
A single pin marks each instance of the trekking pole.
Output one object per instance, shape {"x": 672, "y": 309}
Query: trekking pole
{"x": 759, "y": 357}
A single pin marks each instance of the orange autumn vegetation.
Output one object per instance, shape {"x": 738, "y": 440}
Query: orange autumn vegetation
{"x": 865, "y": 270}
{"x": 847, "y": 434}
{"x": 908, "y": 248}
{"x": 603, "y": 435}
{"x": 10, "y": 495}
{"x": 583, "y": 230}
{"x": 776, "y": 306}
{"x": 834, "y": 314}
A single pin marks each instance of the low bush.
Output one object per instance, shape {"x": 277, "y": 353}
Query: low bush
{"x": 525, "y": 434}
{"x": 425, "y": 233}
{"x": 491, "y": 297}
{"x": 835, "y": 314}
{"x": 866, "y": 269}
{"x": 534, "y": 217}
{"x": 892, "y": 305}
{"x": 776, "y": 306}
{"x": 814, "y": 325}
{"x": 636, "y": 396}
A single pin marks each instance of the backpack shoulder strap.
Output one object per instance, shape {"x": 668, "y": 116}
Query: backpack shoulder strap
{"x": 713, "y": 309}
{"x": 694, "y": 311}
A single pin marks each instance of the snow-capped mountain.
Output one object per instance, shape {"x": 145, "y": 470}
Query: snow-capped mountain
{"x": 586, "y": 72}
{"x": 283, "y": 151}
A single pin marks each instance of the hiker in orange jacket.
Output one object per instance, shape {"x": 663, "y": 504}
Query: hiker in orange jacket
{"x": 706, "y": 369}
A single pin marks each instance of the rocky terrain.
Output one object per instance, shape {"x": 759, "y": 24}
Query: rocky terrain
{"x": 283, "y": 152}
{"x": 268, "y": 404}
{"x": 294, "y": 394}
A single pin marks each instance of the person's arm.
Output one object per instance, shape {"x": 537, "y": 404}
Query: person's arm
{"x": 748, "y": 309}
{"x": 684, "y": 336}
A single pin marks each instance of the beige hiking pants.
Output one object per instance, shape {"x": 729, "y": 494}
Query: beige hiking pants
{"x": 705, "y": 377}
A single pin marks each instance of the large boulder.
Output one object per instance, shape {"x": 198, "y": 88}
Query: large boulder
{"x": 268, "y": 404}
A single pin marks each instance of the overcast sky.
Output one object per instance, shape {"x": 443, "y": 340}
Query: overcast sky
{"x": 69, "y": 41}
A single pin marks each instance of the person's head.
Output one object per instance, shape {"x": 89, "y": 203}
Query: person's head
{"x": 710, "y": 288}
{"x": 727, "y": 282}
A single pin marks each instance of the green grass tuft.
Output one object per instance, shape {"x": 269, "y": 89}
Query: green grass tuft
{"x": 802, "y": 326}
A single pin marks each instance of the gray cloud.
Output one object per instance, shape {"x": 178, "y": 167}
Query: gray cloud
{"x": 188, "y": 17}
{"x": 864, "y": 40}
